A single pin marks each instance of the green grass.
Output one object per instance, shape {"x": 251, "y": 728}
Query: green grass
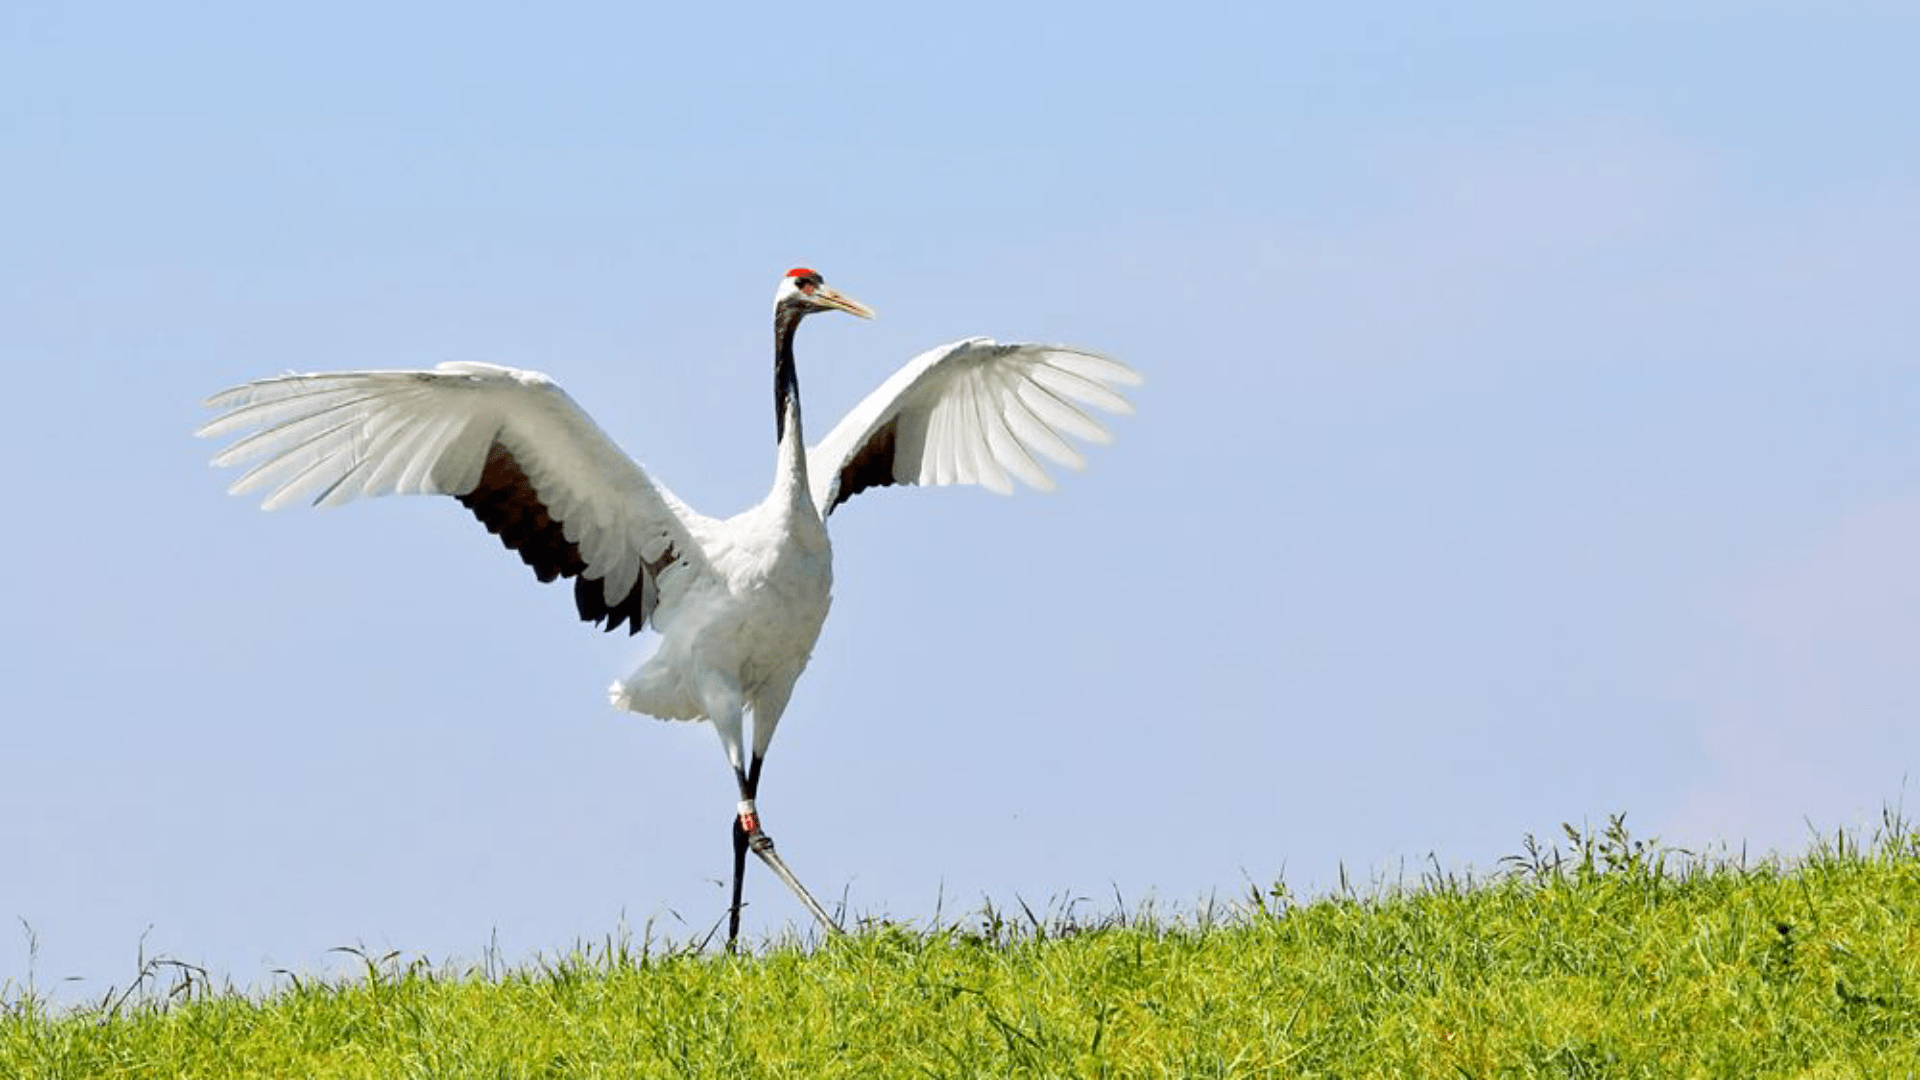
{"x": 1608, "y": 958}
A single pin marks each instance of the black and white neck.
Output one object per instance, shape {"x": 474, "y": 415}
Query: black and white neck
{"x": 801, "y": 293}
{"x": 786, "y": 380}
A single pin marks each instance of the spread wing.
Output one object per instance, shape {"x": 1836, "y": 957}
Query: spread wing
{"x": 510, "y": 445}
{"x": 973, "y": 412}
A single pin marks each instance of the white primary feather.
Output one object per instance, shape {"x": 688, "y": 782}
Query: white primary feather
{"x": 337, "y": 437}
{"x": 973, "y": 412}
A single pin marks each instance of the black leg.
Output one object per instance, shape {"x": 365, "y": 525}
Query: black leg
{"x": 739, "y": 878}
{"x": 747, "y": 836}
{"x": 749, "y": 782}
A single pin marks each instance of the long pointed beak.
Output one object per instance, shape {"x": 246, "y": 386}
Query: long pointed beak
{"x": 826, "y": 297}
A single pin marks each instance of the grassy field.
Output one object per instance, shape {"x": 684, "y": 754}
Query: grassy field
{"x": 1597, "y": 957}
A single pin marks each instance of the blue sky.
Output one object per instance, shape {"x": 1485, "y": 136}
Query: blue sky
{"x": 1528, "y": 437}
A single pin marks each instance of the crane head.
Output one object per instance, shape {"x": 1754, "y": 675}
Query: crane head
{"x": 804, "y": 289}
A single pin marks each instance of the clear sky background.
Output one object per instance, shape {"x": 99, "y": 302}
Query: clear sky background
{"x": 1529, "y": 435}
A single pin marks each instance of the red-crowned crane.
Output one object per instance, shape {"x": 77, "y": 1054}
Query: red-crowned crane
{"x": 737, "y": 603}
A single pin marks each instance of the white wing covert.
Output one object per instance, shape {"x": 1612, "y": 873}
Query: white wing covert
{"x": 509, "y": 444}
{"x": 973, "y": 412}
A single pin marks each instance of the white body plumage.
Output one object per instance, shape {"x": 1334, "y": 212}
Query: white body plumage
{"x": 740, "y": 637}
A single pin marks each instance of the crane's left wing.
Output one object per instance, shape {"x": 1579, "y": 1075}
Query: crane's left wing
{"x": 529, "y": 463}
{"x": 973, "y": 412}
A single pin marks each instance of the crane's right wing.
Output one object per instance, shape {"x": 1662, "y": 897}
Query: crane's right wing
{"x": 972, "y": 412}
{"x": 509, "y": 444}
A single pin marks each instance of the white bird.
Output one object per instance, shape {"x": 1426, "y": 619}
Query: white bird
{"x": 738, "y": 603}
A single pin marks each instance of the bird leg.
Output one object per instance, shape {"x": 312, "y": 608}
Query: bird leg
{"x": 739, "y": 877}
{"x": 748, "y": 836}
{"x": 744, "y": 826}
{"x": 762, "y": 845}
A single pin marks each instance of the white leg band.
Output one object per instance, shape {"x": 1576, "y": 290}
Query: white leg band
{"x": 747, "y": 808}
